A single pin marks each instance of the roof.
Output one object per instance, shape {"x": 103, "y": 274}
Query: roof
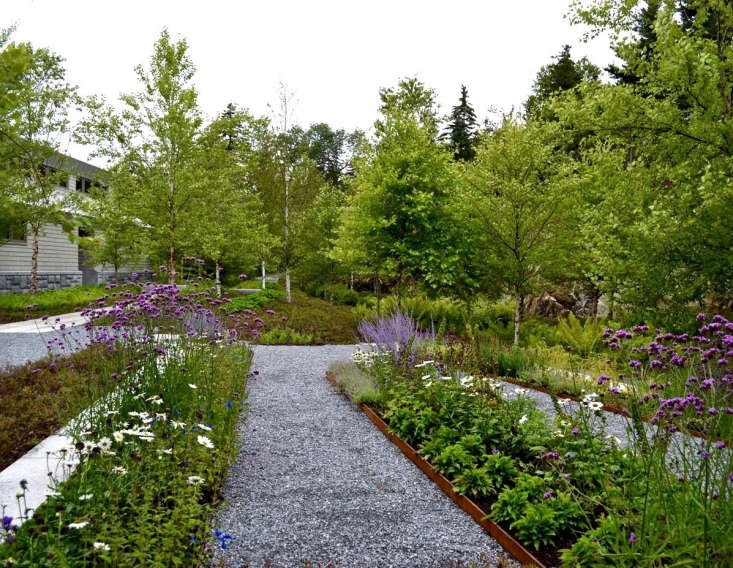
{"x": 75, "y": 167}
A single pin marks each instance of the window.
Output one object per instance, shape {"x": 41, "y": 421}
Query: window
{"x": 12, "y": 230}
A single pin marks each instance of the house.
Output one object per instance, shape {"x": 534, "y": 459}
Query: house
{"x": 61, "y": 262}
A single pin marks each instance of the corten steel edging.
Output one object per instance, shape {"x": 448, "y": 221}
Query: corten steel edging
{"x": 506, "y": 540}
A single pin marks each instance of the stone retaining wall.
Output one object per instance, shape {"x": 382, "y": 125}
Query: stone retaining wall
{"x": 21, "y": 281}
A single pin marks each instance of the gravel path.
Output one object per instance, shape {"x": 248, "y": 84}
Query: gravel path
{"x": 316, "y": 481}
{"x": 31, "y": 341}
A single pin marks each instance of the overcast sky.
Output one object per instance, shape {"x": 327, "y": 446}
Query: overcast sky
{"x": 334, "y": 55}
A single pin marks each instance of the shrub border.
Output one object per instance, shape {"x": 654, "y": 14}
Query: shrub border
{"x": 506, "y": 540}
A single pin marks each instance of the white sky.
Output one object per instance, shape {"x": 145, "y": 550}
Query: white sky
{"x": 335, "y": 55}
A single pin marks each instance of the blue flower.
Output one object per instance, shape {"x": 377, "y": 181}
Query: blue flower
{"x": 229, "y": 404}
{"x": 192, "y": 539}
{"x": 223, "y": 538}
{"x": 175, "y": 412}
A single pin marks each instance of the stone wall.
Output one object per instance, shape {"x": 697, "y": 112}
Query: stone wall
{"x": 21, "y": 281}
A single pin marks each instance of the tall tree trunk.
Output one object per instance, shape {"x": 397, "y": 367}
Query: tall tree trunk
{"x": 288, "y": 298}
{"x": 351, "y": 283}
{"x": 218, "y": 280}
{"x": 117, "y": 275}
{"x": 262, "y": 269}
{"x": 171, "y": 263}
{"x": 518, "y": 314}
{"x": 377, "y": 291}
{"x": 34, "y": 263}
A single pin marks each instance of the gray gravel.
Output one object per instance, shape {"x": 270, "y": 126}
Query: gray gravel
{"x": 20, "y": 348}
{"x": 316, "y": 481}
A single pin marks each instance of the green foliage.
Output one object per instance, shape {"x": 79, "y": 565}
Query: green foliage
{"x": 563, "y": 74}
{"x": 351, "y": 378}
{"x": 517, "y": 193}
{"x": 339, "y": 293}
{"x": 583, "y": 337}
{"x": 252, "y": 301}
{"x": 285, "y": 336}
{"x": 400, "y": 211}
{"x": 454, "y": 459}
{"x": 537, "y": 525}
{"x": 462, "y": 128}
{"x": 143, "y": 487}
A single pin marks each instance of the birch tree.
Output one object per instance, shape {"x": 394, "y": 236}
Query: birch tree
{"x": 153, "y": 139}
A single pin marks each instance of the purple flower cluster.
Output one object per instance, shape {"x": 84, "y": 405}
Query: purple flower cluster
{"x": 393, "y": 333}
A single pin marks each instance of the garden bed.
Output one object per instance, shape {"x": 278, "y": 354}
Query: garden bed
{"x": 150, "y": 458}
{"x": 504, "y": 538}
{"x": 566, "y": 488}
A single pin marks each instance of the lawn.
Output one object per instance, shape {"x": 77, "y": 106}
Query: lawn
{"x": 17, "y": 307}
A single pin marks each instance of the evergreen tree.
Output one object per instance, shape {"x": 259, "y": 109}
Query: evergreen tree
{"x": 461, "y": 130}
{"x": 561, "y": 75}
{"x": 633, "y": 55}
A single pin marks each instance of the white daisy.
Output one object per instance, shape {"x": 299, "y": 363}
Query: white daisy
{"x": 119, "y": 470}
{"x": 523, "y": 419}
{"x": 192, "y": 386}
{"x": 195, "y": 479}
{"x": 86, "y": 497}
{"x": 101, "y": 546}
{"x": 78, "y": 524}
{"x": 204, "y": 441}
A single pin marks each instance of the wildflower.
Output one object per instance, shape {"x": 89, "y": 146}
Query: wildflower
{"x": 229, "y": 404}
{"x": 223, "y": 538}
{"x": 634, "y": 363}
{"x": 720, "y": 445}
{"x": 195, "y": 479}
{"x": 78, "y": 524}
{"x": 632, "y": 538}
{"x": 119, "y": 470}
{"x": 160, "y": 416}
{"x": 523, "y": 419}
{"x": 547, "y": 495}
{"x": 519, "y": 391}
{"x": 118, "y": 436}
{"x": 205, "y": 428}
{"x": 86, "y": 497}
{"x": 101, "y": 546}
{"x": 204, "y": 441}
{"x": 169, "y": 451}
{"x": 105, "y": 443}
{"x": 194, "y": 387}
{"x": 595, "y": 405}
{"x": 564, "y": 401}
{"x": 613, "y": 439}
{"x": 575, "y": 431}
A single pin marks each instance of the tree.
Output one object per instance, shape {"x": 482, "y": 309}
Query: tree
{"x": 674, "y": 126}
{"x": 35, "y": 107}
{"x": 116, "y": 238}
{"x": 516, "y": 193}
{"x": 562, "y": 75}
{"x": 462, "y": 128}
{"x": 287, "y": 181}
{"x": 402, "y": 191}
{"x": 154, "y": 139}
{"x": 331, "y": 151}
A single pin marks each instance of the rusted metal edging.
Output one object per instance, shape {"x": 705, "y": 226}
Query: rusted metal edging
{"x": 506, "y": 540}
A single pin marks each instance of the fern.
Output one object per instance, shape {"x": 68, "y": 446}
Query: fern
{"x": 581, "y": 337}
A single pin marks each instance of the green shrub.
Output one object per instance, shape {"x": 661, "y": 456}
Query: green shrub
{"x": 285, "y": 336}
{"x": 337, "y": 293}
{"x": 252, "y": 301}
{"x": 582, "y": 338}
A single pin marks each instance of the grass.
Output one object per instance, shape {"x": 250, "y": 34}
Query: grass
{"x": 51, "y": 302}
{"x": 350, "y": 378}
{"x": 44, "y": 396}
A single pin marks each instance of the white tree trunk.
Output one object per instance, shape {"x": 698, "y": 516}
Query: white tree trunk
{"x": 218, "y": 280}
{"x": 287, "y": 285}
{"x": 262, "y": 268}
{"x": 517, "y": 315}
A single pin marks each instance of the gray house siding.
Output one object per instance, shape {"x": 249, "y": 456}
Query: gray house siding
{"x": 59, "y": 263}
